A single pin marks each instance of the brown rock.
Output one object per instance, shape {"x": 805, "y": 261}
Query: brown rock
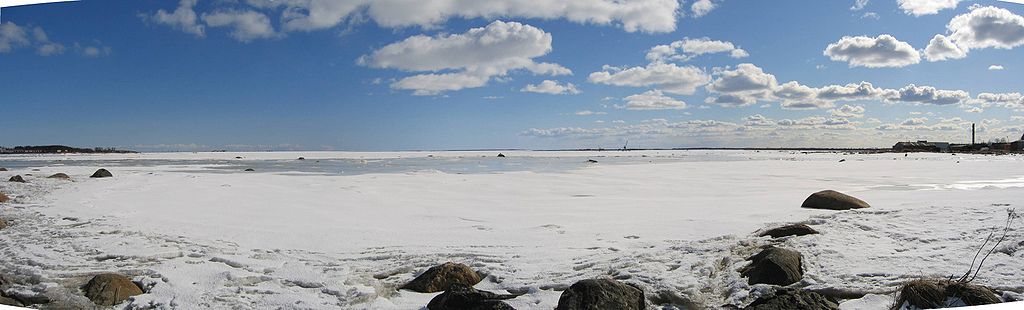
{"x": 18, "y": 179}
{"x": 109, "y": 289}
{"x": 439, "y": 278}
{"x": 102, "y": 173}
{"x": 789, "y": 230}
{"x": 3, "y": 224}
{"x": 462, "y": 297}
{"x": 4, "y": 198}
{"x": 10, "y": 302}
{"x": 597, "y": 294}
{"x": 775, "y": 266}
{"x": 833, "y": 200}
{"x": 929, "y": 294}
{"x": 61, "y": 176}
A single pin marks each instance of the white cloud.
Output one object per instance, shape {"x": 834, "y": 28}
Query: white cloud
{"x": 848, "y": 111}
{"x": 742, "y": 86}
{"x": 551, "y": 87}
{"x": 879, "y": 52}
{"x": 12, "y": 36}
{"x": 687, "y": 49}
{"x": 653, "y": 100}
{"x": 702, "y": 7}
{"x": 246, "y": 25}
{"x": 871, "y": 15}
{"x": 856, "y": 91}
{"x": 44, "y": 46}
{"x": 183, "y": 18}
{"x": 942, "y": 48}
{"x": 639, "y": 15}
{"x": 859, "y": 5}
{"x": 1006, "y": 100}
{"x": 930, "y": 95}
{"x": 665, "y": 76}
{"x": 589, "y": 113}
{"x": 476, "y": 55}
{"x": 987, "y": 27}
{"x": 926, "y": 7}
{"x": 995, "y": 67}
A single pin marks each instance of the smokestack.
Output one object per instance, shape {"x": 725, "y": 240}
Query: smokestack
{"x": 972, "y": 134}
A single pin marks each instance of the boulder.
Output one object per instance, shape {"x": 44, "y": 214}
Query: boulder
{"x": 6, "y": 301}
{"x": 785, "y": 299}
{"x": 591, "y": 161}
{"x": 929, "y": 294}
{"x": 789, "y": 230}
{"x": 775, "y": 266}
{"x": 250, "y": 170}
{"x": 597, "y": 294}
{"x": 109, "y": 289}
{"x": 4, "y": 198}
{"x": 439, "y": 278}
{"x": 18, "y": 179}
{"x": 102, "y": 173}
{"x": 302, "y": 158}
{"x": 61, "y": 176}
{"x": 463, "y": 297}
{"x": 3, "y": 224}
{"x": 3, "y": 169}
{"x": 833, "y": 200}
{"x": 501, "y": 155}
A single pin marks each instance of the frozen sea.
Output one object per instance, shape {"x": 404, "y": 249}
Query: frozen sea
{"x": 344, "y": 229}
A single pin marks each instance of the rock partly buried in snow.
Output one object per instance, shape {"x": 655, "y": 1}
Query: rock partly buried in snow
{"x": 775, "y": 266}
{"x": 3, "y": 224}
{"x": 109, "y": 289}
{"x": 102, "y": 173}
{"x": 17, "y": 179}
{"x": 3, "y": 169}
{"x": 785, "y": 299}
{"x": 941, "y": 293}
{"x": 593, "y": 294}
{"x": 6, "y": 301}
{"x": 789, "y": 230}
{"x": 439, "y": 278}
{"x": 833, "y": 200}
{"x": 250, "y": 170}
{"x": 501, "y": 155}
{"x": 4, "y": 198}
{"x": 62, "y": 176}
{"x": 462, "y": 297}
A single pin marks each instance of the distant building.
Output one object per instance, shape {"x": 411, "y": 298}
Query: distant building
{"x": 921, "y": 146}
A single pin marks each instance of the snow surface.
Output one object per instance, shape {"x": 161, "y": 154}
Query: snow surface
{"x": 199, "y": 232}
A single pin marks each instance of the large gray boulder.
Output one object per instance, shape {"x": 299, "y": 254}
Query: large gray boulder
{"x": 600, "y": 294}
{"x": 789, "y": 230}
{"x": 833, "y": 200}
{"x": 776, "y": 266}
{"x": 17, "y": 179}
{"x": 109, "y": 289}
{"x": 102, "y": 173}
{"x": 462, "y": 297}
{"x": 439, "y": 278}
{"x": 787, "y": 299}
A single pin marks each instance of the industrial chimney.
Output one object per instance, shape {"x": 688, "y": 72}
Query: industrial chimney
{"x": 972, "y": 135}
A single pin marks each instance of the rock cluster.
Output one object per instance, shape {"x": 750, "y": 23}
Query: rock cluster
{"x": 786, "y": 299}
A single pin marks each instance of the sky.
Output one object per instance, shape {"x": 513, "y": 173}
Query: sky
{"x": 359, "y": 75}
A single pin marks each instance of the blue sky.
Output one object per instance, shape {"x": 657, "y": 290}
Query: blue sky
{"x": 447, "y": 74}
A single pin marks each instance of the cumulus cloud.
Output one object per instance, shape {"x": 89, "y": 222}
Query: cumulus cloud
{"x": 14, "y": 37}
{"x": 183, "y": 18}
{"x": 687, "y": 49}
{"x": 926, "y": 7}
{"x": 653, "y": 100}
{"x": 589, "y": 112}
{"x": 476, "y": 55}
{"x": 551, "y": 87}
{"x": 1006, "y": 100}
{"x": 982, "y": 27}
{"x": 848, "y": 111}
{"x": 930, "y": 95}
{"x": 858, "y": 5}
{"x": 742, "y": 86}
{"x": 702, "y": 7}
{"x": 246, "y": 25}
{"x": 665, "y": 76}
{"x": 878, "y": 52}
{"x": 995, "y": 67}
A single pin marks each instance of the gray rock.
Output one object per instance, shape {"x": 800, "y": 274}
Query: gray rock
{"x": 599, "y": 294}
{"x": 439, "y": 278}
{"x": 17, "y": 179}
{"x": 786, "y": 299}
{"x": 10, "y": 302}
{"x": 833, "y": 200}
{"x": 462, "y": 297}
{"x": 102, "y": 173}
{"x": 789, "y": 230}
{"x": 62, "y": 176}
{"x": 776, "y": 266}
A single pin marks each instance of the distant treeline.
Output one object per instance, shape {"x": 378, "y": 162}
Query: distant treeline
{"x": 57, "y": 149}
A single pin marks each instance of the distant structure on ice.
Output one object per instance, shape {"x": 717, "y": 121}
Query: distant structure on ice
{"x": 944, "y": 147}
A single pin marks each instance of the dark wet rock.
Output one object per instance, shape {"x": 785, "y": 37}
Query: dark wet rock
{"x": 3, "y": 169}
{"x": 302, "y": 158}
{"x": 238, "y": 157}
{"x": 7, "y": 301}
{"x": 250, "y": 170}
{"x": 842, "y": 160}
{"x": 17, "y": 179}
{"x": 786, "y": 299}
{"x": 29, "y": 297}
{"x": 439, "y": 278}
{"x": 790, "y": 230}
{"x": 501, "y": 155}
{"x": 595, "y": 294}
{"x": 833, "y": 200}
{"x": 591, "y": 161}
{"x": 672, "y": 298}
{"x": 102, "y": 173}
{"x": 775, "y": 266}
{"x": 62, "y": 176}
{"x": 462, "y": 297}
{"x": 933, "y": 293}
{"x": 109, "y": 289}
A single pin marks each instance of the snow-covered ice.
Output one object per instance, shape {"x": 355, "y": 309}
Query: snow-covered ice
{"x": 328, "y": 233}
